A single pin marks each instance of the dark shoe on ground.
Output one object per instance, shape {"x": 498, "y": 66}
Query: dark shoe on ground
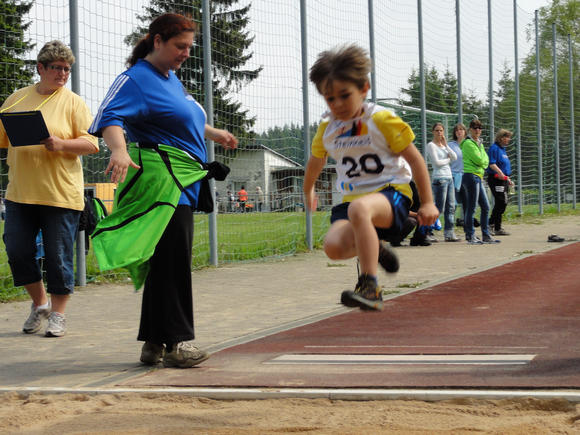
{"x": 555, "y": 238}
{"x": 346, "y": 299}
{"x": 56, "y": 325}
{"x": 474, "y": 241}
{"x": 184, "y": 355}
{"x": 501, "y": 232}
{"x": 419, "y": 242}
{"x": 367, "y": 294}
{"x": 489, "y": 240}
{"x": 387, "y": 258}
{"x": 35, "y": 318}
{"x": 152, "y": 353}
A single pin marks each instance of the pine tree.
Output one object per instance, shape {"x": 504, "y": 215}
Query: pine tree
{"x": 229, "y": 54}
{"x": 15, "y": 72}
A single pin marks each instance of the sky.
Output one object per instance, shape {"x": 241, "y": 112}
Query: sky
{"x": 532, "y": 5}
{"x": 275, "y": 98}
{"x": 396, "y": 47}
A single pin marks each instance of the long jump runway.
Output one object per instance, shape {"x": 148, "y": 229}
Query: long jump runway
{"x": 514, "y": 326}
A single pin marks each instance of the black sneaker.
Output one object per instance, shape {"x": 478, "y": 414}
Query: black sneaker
{"x": 419, "y": 242}
{"x": 367, "y": 294}
{"x": 387, "y": 258}
{"x": 346, "y": 299}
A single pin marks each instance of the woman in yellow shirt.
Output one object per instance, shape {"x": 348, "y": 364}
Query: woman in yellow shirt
{"x": 46, "y": 190}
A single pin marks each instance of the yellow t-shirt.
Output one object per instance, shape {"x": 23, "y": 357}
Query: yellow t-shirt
{"x": 41, "y": 177}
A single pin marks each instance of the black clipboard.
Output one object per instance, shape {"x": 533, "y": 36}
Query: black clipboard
{"x": 24, "y": 128}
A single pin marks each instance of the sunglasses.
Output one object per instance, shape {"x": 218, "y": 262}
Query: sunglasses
{"x": 477, "y": 128}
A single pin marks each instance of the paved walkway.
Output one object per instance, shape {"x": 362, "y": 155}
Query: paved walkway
{"x": 235, "y": 304}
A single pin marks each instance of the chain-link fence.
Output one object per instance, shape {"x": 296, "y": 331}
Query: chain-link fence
{"x": 468, "y": 51}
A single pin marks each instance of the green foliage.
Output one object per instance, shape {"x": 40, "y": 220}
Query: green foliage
{"x": 287, "y": 140}
{"x": 15, "y": 72}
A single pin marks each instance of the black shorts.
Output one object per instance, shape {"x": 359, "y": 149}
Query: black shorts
{"x": 399, "y": 203}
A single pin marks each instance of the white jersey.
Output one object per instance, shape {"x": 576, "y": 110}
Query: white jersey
{"x": 367, "y": 151}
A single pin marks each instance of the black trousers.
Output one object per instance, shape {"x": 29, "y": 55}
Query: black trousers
{"x": 167, "y": 308}
{"x": 499, "y": 190}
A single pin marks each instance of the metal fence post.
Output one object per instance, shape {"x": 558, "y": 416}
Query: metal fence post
{"x": 539, "y": 120}
{"x": 572, "y": 130}
{"x": 422, "y": 79}
{"x": 458, "y": 39}
{"x": 305, "y": 117}
{"x": 490, "y": 49}
{"x": 556, "y": 116}
{"x": 81, "y": 272}
{"x": 372, "y": 51}
{"x": 518, "y": 125}
{"x": 208, "y": 91}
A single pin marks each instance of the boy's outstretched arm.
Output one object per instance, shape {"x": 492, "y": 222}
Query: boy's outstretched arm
{"x": 428, "y": 212}
{"x": 313, "y": 169}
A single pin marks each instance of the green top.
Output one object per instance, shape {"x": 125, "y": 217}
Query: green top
{"x": 144, "y": 204}
{"x": 475, "y": 159}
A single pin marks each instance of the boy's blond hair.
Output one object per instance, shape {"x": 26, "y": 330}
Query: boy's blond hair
{"x": 349, "y": 63}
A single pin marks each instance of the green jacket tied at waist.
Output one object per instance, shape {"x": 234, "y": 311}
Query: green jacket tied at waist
{"x": 144, "y": 204}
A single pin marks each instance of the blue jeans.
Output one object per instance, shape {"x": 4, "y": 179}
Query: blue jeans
{"x": 59, "y": 229}
{"x": 474, "y": 194}
{"x": 444, "y": 193}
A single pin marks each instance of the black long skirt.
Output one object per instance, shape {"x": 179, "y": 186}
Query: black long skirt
{"x": 167, "y": 308}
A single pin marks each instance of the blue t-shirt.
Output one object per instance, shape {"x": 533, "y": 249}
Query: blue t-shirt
{"x": 498, "y": 155}
{"x": 456, "y": 165}
{"x": 153, "y": 108}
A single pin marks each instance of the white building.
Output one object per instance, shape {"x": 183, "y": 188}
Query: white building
{"x": 279, "y": 177}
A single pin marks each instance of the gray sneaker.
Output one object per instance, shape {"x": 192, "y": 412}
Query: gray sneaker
{"x": 474, "y": 241}
{"x": 489, "y": 240}
{"x": 56, "y": 325}
{"x": 152, "y": 353}
{"x": 184, "y": 355}
{"x": 35, "y": 318}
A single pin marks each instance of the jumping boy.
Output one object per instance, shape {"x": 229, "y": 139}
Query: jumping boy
{"x": 375, "y": 159}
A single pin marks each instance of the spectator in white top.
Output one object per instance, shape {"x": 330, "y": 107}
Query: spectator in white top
{"x": 440, "y": 155}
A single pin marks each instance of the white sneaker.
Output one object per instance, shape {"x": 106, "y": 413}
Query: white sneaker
{"x": 184, "y": 355}
{"x": 35, "y": 318}
{"x": 56, "y": 325}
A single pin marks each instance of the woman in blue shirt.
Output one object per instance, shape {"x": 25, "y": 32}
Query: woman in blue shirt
{"x": 150, "y": 105}
{"x": 498, "y": 179}
{"x": 459, "y": 133}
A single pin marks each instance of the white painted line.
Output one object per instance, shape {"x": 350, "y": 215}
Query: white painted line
{"x": 227, "y": 393}
{"x": 418, "y": 346}
{"x": 401, "y": 359}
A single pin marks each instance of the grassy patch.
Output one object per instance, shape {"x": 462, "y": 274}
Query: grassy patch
{"x": 526, "y": 252}
{"x": 241, "y": 237}
{"x": 412, "y": 285}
